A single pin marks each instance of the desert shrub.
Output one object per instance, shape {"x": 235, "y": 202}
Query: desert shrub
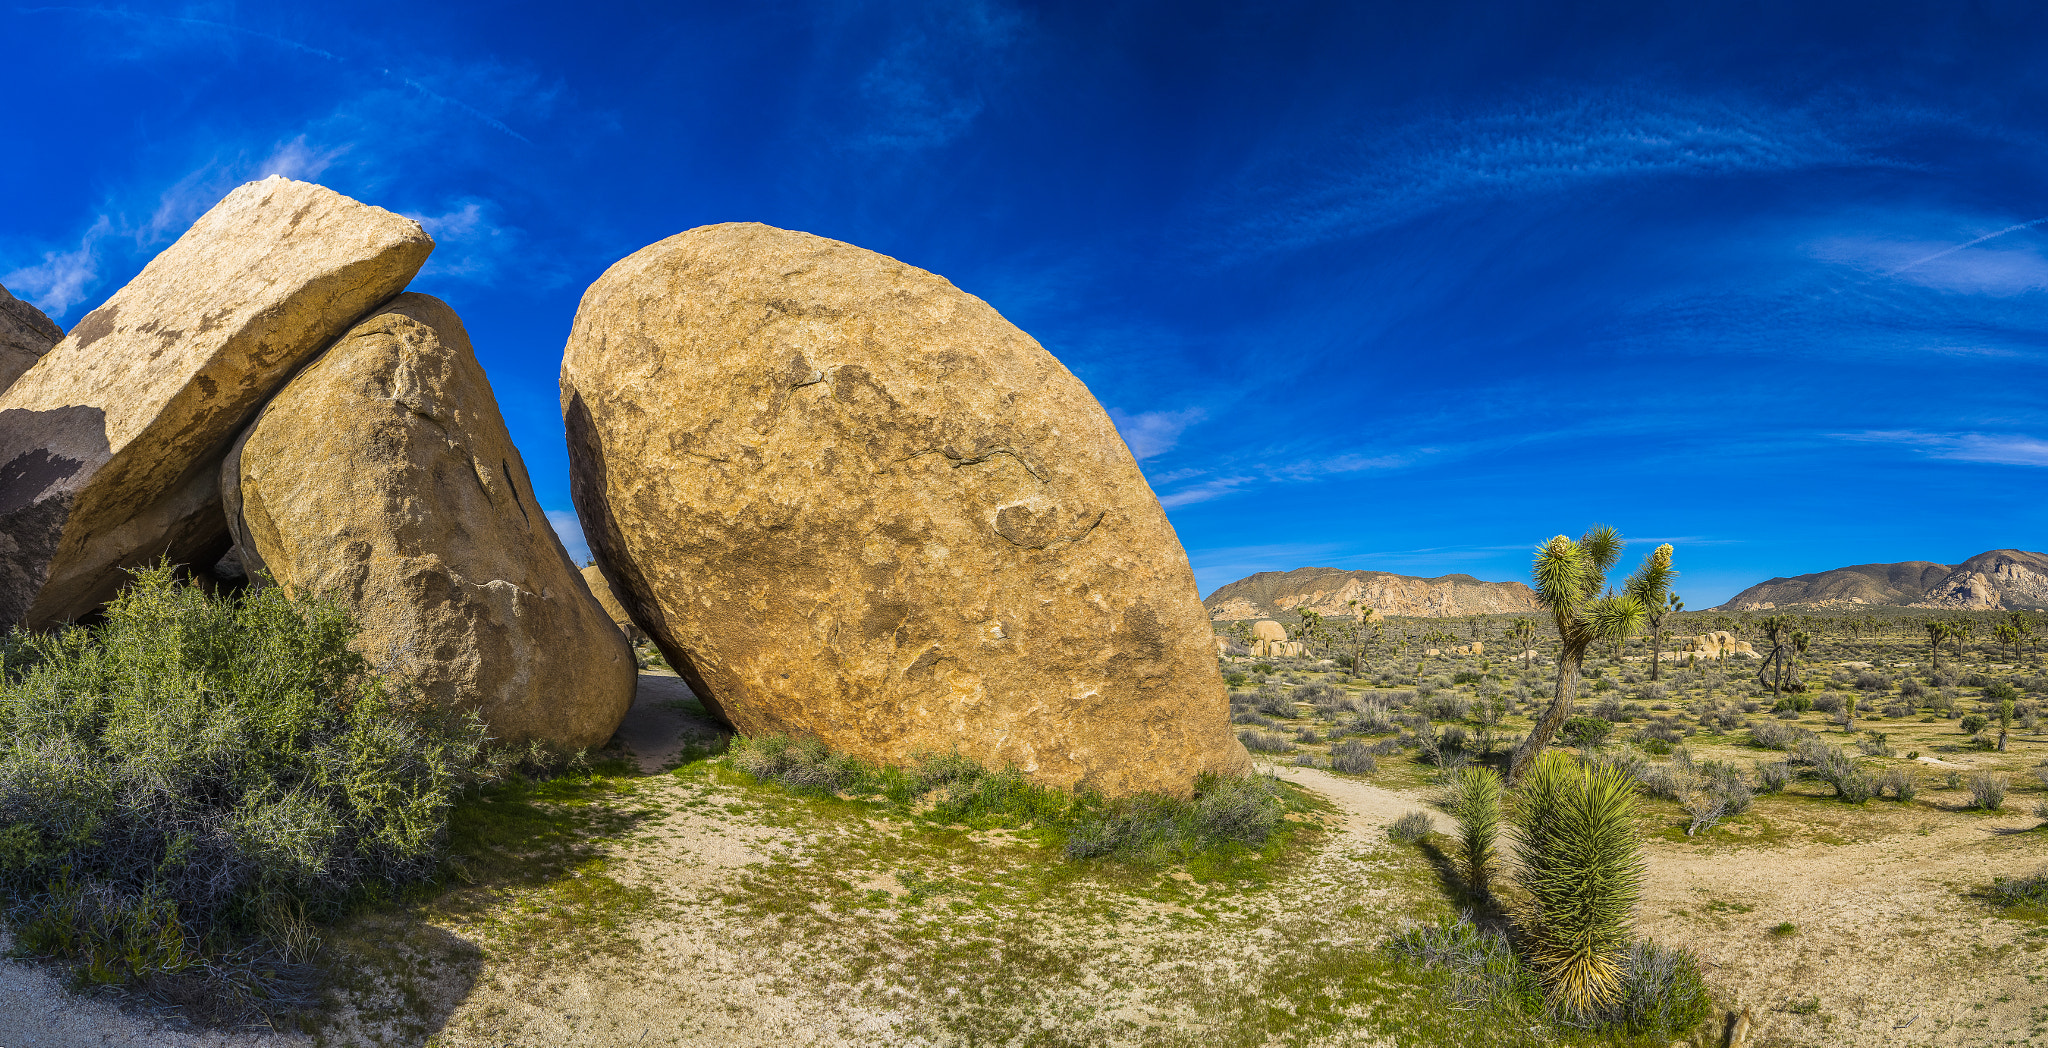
{"x": 1897, "y": 710}
{"x": 1410, "y": 828}
{"x": 1794, "y": 704}
{"x": 1307, "y": 735}
{"x": 1987, "y": 790}
{"x": 1774, "y": 735}
{"x": 1984, "y": 740}
{"x": 1871, "y": 680}
{"x": 1717, "y": 717}
{"x": 1265, "y": 742}
{"x": 1465, "y": 677}
{"x": 1875, "y": 744}
{"x": 1258, "y": 720}
{"x": 177, "y": 778}
{"x": 1663, "y": 729}
{"x": 1897, "y": 782}
{"x": 1910, "y": 688}
{"x": 1584, "y": 731}
{"x": 1660, "y": 993}
{"x": 1828, "y": 703}
{"x": 1973, "y": 723}
{"x": 1839, "y": 770}
{"x": 1773, "y": 777}
{"x": 1352, "y": 758}
{"x": 1582, "y": 865}
{"x": 2021, "y": 891}
{"x": 1444, "y": 706}
{"x": 1272, "y": 702}
{"x": 1373, "y": 719}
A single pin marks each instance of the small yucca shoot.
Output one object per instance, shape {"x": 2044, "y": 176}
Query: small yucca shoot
{"x": 1582, "y": 865}
{"x": 1478, "y": 827}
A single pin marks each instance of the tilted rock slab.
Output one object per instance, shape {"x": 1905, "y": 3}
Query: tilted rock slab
{"x": 110, "y": 448}
{"x": 25, "y": 335}
{"x": 852, "y": 502}
{"x": 383, "y": 475}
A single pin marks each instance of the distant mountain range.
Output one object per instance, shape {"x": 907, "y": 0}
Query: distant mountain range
{"x": 1329, "y": 591}
{"x": 2001, "y": 578}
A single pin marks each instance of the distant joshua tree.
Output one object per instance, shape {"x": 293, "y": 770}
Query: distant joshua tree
{"x": 1523, "y": 633}
{"x": 1670, "y": 605}
{"x": 1937, "y": 631}
{"x": 1569, "y": 576}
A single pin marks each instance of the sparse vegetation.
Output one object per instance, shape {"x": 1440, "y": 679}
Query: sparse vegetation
{"x": 189, "y": 786}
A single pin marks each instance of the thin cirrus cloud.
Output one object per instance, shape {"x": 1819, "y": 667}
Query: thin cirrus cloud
{"x": 1302, "y": 471}
{"x": 1971, "y": 268}
{"x": 470, "y": 242}
{"x": 1152, "y": 433}
{"x": 1997, "y": 449}
{"x": 1305, "y": 194}
{"x": 570, "y": 530}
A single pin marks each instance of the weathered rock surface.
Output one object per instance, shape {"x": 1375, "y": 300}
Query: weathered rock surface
{"x": 852, "y": 502}
{"x": 383, "y": 474}
{"x": 1995, "y": 579}
{"x": 110, "y": 449}
{"x": 25, "y": 335}
{"x": 601, "y": 588}
{"x": 1329, "y": 591}
{"x": 1269, "y": 641}
{"x": 1716, "y": 645}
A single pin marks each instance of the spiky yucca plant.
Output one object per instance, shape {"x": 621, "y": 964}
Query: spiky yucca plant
{"x": 1478, "y": 827}
{"x": 1569, "y": 577}
{"x": 1582, "y": 865}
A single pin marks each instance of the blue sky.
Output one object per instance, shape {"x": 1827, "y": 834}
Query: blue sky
{"x": 1407, "y": 287}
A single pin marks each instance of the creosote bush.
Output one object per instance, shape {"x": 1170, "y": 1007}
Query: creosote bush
{"x": 199, "y": 774}
{"x": 1146, "y": 829}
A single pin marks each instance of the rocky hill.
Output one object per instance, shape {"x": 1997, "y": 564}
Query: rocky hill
{"x": 2000, "y": 578}
{"x": 1329, "y": 591}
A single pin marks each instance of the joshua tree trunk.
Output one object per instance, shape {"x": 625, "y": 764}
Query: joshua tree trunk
{"x": 1568, "y": 661}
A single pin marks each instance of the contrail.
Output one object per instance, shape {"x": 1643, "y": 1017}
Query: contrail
{"x": 1950, "y": 251}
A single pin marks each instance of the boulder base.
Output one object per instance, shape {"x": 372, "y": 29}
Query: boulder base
{"x": 110, "y": 448}
{"x": 383, "y": 475}
{"x": 850, "y": 501}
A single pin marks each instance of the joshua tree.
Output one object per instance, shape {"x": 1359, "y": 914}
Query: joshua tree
{"x": 1801, "y": 640}
{"x": 1937, "y": 631}
{"x": 1523, "y": 633}
{"x": 1568, "y": 575}
{"x": 1959, "y": 631}
{"x": 2004, "y": 722}
{"x": 1670, "y": 605}
{"x": 1772, "y": 673}
{"x": 1582, "y": 865}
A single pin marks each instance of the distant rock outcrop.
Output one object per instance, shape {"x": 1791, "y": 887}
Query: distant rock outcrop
{"x": 111, "y": 446}
{"x": 1330, "y": 591}
{"x": 851, "y": 502}
{"x": 383, "y": 474}
{"x": 1719, "y": 644}
{"x": 2001, "y": 578}
{"x": 25, "y": 335}
{"x": 1269, "y": 640}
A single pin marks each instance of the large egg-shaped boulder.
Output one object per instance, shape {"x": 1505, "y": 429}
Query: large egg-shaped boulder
{"x": 850, "y": 501}
{"x": 383, "y": 475}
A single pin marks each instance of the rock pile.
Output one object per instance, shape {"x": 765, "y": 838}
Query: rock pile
{"x": 850, "y": 501}
{"x": 382, "y": 475}
{"x": 1269, "y": 641}
{"x": 1716, "y": 645}
{"x": 846, "y": 499}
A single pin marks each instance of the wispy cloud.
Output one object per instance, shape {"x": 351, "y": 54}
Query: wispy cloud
{"x": 928, "y": 83}
{"x": 1151, "y": 433}
{"x": 469, "y": 242}
{"x": 570, "y": 531}
{"x": 2001, "y": 449}
{"x": 63, "y": 278}
{"x": 1374, "y": 176}
{"x": 1240, "y": 477}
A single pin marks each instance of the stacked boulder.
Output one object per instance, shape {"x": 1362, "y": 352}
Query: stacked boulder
{"x": 851, "y": 502}
{"x": 112, "y": 448}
